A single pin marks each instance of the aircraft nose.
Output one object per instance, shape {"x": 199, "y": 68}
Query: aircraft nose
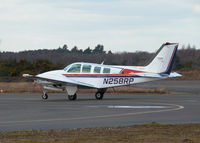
{"x": 50, "y": 74}
{"x": 43, "y": 75}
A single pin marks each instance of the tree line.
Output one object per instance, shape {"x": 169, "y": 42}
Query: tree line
{"x": 14, "y": 64}
{"x": 99, "y": 49}
{"x": 13, "y": 67}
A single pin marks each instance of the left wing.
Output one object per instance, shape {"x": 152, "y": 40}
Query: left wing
{"x": 55, "y": 80}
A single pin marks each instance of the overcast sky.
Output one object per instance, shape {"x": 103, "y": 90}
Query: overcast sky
{"x": 120, "y": 25}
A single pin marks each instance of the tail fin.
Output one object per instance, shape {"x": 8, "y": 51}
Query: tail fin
{"x": 164, "y": 59}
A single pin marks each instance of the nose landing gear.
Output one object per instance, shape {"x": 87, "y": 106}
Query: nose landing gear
{"x": 45, "y": 96}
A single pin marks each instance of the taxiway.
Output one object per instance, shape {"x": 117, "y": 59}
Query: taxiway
{"x": 29, "y": 111}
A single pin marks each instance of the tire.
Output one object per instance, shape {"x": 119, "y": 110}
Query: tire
{"x": 99, "y": 95}
{"x": 72, "y": 97}
{"x": 45, "y": 96}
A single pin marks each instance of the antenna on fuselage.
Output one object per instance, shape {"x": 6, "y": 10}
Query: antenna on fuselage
{"x": 102, "y": 63}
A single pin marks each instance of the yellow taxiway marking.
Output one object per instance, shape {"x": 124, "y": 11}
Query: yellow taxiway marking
{"x": 178, "y": 107}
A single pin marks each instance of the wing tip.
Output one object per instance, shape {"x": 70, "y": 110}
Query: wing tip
{"x": 27, "y": 75}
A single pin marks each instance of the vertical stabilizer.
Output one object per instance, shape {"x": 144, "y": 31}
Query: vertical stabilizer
{"x": 164, "y": 59}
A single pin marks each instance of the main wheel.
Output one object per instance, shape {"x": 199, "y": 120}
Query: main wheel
{"x": 44, "y": 96}
{"x": 72, "y": 97}
{"x": 99, "y": 95}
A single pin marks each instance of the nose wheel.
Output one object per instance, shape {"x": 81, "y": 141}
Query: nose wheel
{"x": 72, "y": 97}
{"x": 45, "y": 96}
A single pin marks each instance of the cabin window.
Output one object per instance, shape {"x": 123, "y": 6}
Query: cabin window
{"x": 86, "y": 68}
{"x": 97, "y": 69}
{"x": 76, "y": 68}
{"x": 106, "y": 70}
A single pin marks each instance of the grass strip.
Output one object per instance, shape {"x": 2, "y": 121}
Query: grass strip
{"x": 146, "y": 133}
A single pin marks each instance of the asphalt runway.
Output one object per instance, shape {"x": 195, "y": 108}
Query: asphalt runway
{"x": 29, "y": 111}
{"x": 181, "y": 86}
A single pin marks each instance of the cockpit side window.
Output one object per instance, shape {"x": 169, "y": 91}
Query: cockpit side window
{"x": 106, "y": 70}
{"x": 76, "y": 68}
{"x": 97, "y": 69}
{"x": 86, "y": 68}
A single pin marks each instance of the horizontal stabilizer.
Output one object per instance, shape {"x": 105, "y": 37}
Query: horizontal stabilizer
{"x": 157, "y": 75}
{"x": 175, "y": 74}
{"x": 148, "y": 75}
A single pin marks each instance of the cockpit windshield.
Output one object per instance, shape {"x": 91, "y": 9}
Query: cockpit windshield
{"x": 74, "y": 68}
{"x": 67, "y": 67}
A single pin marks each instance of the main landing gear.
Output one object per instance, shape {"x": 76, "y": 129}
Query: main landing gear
{"x": 100, "y": 93}
{"x": 72, "y": 97}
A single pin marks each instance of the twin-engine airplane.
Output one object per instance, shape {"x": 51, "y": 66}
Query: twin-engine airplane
{"x": 102, "y": 76}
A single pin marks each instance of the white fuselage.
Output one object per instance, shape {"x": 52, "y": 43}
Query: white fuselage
{"x": 101, "y": 76}
{"x": 106, "y": 76}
